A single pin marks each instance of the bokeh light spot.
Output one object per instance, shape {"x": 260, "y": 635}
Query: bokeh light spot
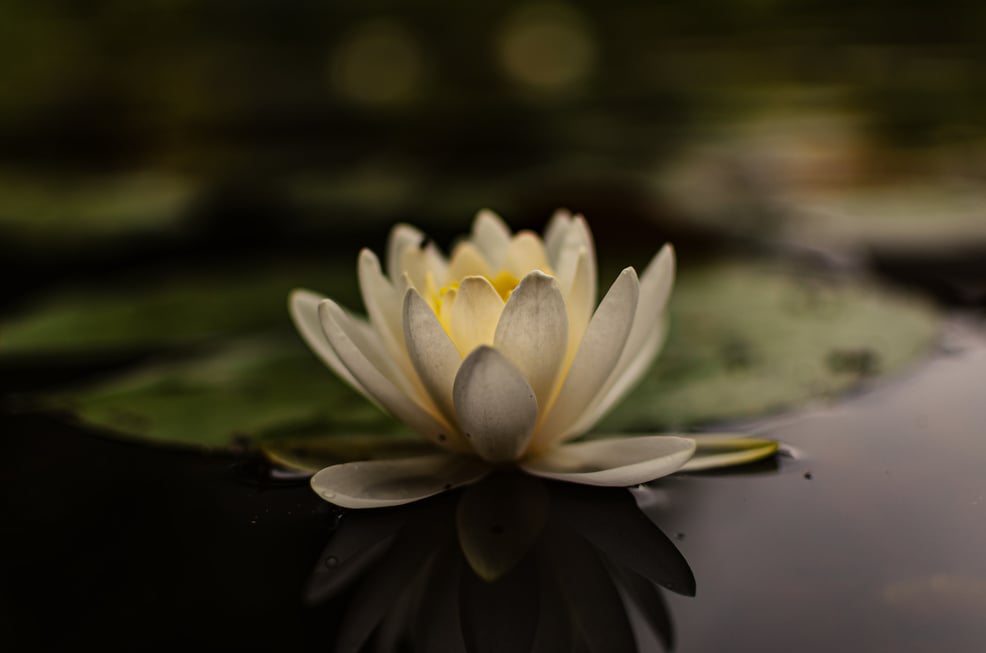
{"x": 377, "y": 63}
{"x": 548, "y": 46}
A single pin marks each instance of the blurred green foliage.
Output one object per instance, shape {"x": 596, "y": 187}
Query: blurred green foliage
{"x": 194, "y": 307}
{"x": 205, "y": 86}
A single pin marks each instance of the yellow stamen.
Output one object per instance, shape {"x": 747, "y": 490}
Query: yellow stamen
{"x": 504, "y": 284}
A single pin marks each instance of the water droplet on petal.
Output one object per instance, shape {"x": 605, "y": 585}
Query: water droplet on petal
{"x": 331, "y": 562}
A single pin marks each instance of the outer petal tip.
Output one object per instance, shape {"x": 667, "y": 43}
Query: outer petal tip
{"x": 383, "y": 483}
{"x": 714, "y": 451}
{"x": 617, "y": 462}
{"x": 497, "y": 408}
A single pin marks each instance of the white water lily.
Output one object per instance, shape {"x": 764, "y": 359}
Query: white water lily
{"x": 497, "y": 357}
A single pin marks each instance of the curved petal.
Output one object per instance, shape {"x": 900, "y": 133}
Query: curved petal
{"x": 554, "y": 233}
{"x": 401, "y": 237}
{"x": 421, "y": 265}
{"x": 362, "y": 359}
{"x": 621, "y": 381}
{"x": 724, "y": 450}
{"x": 383, "y": 303}
{"x": 395, "y": 366}
{"x": 644, "y": 342}
{"x": 617, "y": 462}
{"x": 533, "y": 332}
{"x": 580, "y": 299}
{"x": 525, "y": 253}
{"x": 473, "y": 317}
{"x": 303, "y": 305}
{"x": 467, "y": 261}
{"x": 433, "y": 355}
{"x": 598, "y": 353}
{"x": 381, "y": 299}
{"x": 496, "y": 407}
{"x": 568, "y": 250}
{"x": 491, "y": 236}
{"x": 382, "y": 483}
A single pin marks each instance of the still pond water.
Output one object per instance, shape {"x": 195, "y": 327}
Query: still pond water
{"x": 866, "y": 534}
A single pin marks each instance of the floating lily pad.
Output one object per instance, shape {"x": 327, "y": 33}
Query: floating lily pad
{"x": 745, "y": 340}
{"x": 249, "y": 389}
{"x": 192, "y": 307}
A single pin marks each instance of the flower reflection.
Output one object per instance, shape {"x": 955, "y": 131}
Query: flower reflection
{"x": 513, "y": 563}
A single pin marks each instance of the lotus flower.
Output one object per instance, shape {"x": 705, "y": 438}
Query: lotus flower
{"x": 499, "y": 356}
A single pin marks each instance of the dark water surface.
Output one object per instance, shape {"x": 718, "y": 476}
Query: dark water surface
{"x": 873, "y": 541}
{"x": 868, "y": 537}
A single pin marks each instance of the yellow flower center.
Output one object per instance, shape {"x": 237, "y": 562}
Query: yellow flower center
{"x": 441, "y": 299}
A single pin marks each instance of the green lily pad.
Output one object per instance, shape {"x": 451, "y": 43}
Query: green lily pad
{"x": 189, "y": 308}
{"x": 228, "y": 398}
{"x": 745, "y": 340}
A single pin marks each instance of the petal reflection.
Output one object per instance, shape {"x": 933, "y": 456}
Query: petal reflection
{"x": 510, "y": 563}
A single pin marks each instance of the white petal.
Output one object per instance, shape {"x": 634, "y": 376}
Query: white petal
{"x": 622, "y": 381}
{"x": 435, "y": 358}
{"x": 402, "y": 236}
{"x": 387, "y": 350}
{"x": 383, "y": 304}
{"x": 421, "y": 264}
{"x": 363, "y": 358}
{"x": 303, "y": 305}
{"x": 580, "y": 299}
{"x": 525, "y": 253}
{"x": 533, "y": 332}
{"x": 382, "y": 483}
{"x": 474, "y": 314}
{"x": 598, "y": 354}
{"x": 555, "y": 232}
{"x": 491, "y": 236}
{"x": 496, "y": 407}
{"x": 724, "y": 450}
{"x": 617, "y": 462}
{"x": 644, "y": 342}
{"x": 568, "y": 251}
{"x": 467, "y": 261}
{"x": 381, "y": 298}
